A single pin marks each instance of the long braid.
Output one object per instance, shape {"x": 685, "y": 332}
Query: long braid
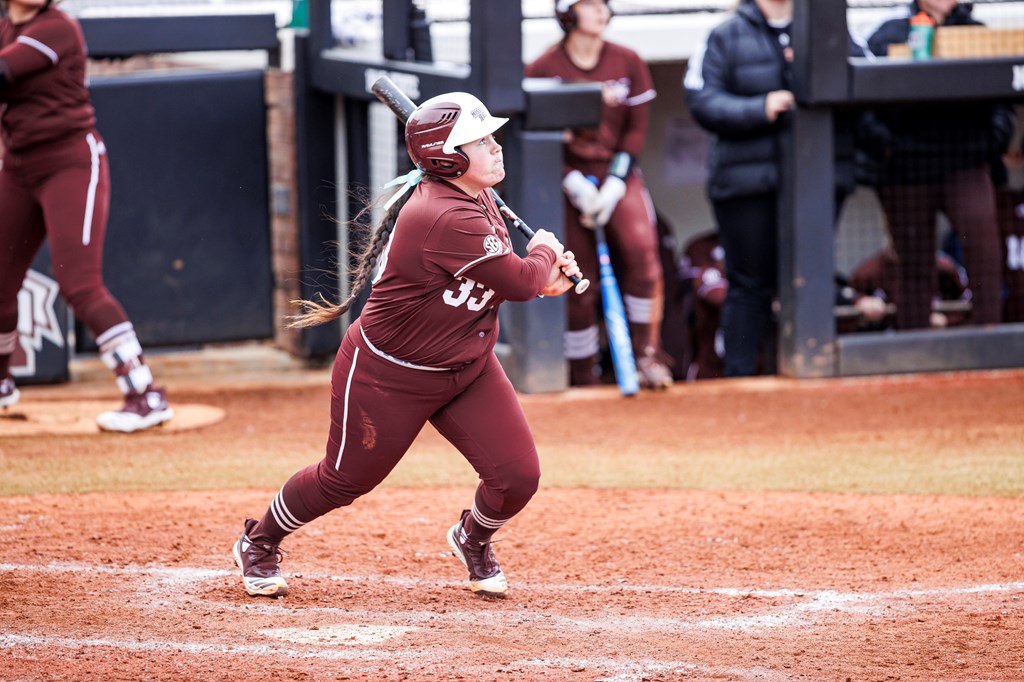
{"x": 319, "y": 312}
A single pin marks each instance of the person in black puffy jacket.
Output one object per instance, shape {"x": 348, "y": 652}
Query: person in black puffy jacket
{"x": 738, "y": 86}
{"x": 928, "y": 158}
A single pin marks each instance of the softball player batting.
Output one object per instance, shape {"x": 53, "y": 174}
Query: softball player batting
{"x": 55, "y": 185}
{"x": 622, "y": 202}
{"x": 440, "y": 263}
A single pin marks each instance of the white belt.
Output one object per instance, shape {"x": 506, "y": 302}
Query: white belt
{"x": 395, "y": 360}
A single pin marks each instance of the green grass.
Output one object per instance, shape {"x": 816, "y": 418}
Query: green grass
{"x": 897, "y": 447}
{"x": 979, "y": 469}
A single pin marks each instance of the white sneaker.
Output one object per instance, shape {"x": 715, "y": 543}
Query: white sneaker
{"x": 9, "y": 393}
{"x": 140, "y": 411}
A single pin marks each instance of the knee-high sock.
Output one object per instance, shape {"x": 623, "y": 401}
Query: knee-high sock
{"x": 300, "y": 500}
{"x": 483, "y": 521}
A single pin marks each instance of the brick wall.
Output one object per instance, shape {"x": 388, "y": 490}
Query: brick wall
{"x": 283, "y": 208}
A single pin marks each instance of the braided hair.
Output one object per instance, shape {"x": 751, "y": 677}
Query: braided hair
{"x": 319, "y": 312}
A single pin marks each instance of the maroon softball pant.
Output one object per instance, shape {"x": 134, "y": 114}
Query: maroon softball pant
{"x": 61, "y": 192}
{"x": 377, "y": 409}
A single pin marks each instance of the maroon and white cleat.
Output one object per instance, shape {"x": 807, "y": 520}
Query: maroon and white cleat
{"x": 485, "y": 576}
{"x": 140, "y": 411}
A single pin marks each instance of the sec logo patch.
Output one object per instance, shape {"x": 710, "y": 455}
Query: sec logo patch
{"x": 492, "y": 244}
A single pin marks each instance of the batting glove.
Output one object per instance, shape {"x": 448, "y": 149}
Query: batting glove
{"x": 612, "y": 190}
{"x": 581, "y": 192}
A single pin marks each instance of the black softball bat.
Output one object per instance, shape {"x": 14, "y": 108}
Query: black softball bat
{"x": 402, "y": 107}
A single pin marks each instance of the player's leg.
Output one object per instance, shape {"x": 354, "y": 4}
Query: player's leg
{"x": 633, "y": 235}
{"x": 21, "y": 233}
{"x": 76, "y": 202}
{"x": 582, "y": 336}
{"x": 971, "y": 207}
{"x": 747, "y": 230}
{"x": 377, "y": 409}
{"x": 910, "y": 212}
{"x": 486, "y": 423}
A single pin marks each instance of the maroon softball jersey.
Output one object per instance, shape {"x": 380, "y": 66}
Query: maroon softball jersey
{"x": 441, "y": 278}
{"x": 623, "y": 124}
{"x": 44, "y": 63}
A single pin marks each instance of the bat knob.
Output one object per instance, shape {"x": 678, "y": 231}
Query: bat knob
{"x": 582, "y": 286}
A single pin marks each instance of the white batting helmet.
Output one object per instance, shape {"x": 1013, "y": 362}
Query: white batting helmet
{"x": 440, "y": 125}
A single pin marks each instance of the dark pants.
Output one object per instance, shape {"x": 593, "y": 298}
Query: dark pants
{"x": 968, "y": 200}
{"x": 748, "y": 230}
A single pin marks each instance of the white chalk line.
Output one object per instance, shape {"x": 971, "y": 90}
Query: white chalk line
{"x": 790, "y": 615}
{"x": 9, "y": 641}
{"x": 621, "y": 671}
{"x": 801, "y": 613}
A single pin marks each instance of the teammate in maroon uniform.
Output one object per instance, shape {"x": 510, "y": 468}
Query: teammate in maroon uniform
{"x": 55, "y": 184}
{"x": 422, "y": 349}
{"x": 608, "y": 153}
{"x": 703, "y": 268}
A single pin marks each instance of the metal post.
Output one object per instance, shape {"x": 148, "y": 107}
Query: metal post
{"x": 534, "y": 330}
{"x": 807, "y": 331}
{"x": 314, "y": 150}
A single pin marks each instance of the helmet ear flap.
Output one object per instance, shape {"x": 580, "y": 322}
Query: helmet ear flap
{"x": 448, "y": 166}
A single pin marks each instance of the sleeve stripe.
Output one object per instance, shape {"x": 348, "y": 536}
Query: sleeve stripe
{"x": 32, "y": 42}
{"x": 467, "y": 266}
{"x": 641, "y": 98}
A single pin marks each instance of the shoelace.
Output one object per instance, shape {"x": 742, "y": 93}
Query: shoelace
{"x": 488, "y": 561}
{"x": 268, "y": 552}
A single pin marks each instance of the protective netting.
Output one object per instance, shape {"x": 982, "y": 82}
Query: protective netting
{"x": 932, "y": 233}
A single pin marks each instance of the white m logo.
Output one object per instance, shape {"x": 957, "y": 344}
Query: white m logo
{"x": 37, "y": 320}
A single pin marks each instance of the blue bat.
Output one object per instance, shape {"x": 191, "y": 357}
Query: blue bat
{"x": 615, "y": 320}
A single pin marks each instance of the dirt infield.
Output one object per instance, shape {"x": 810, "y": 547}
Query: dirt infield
{"x": 761, "y": 530}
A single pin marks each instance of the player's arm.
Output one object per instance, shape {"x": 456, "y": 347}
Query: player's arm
{"x": 638, "y": 109}
{"x": 37, "y": 49}
{"x": 712, "y": 105}
{"x": 630, "y": 144}
{"x": 518, "y": 279}
{"x": 465, "y": 244}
